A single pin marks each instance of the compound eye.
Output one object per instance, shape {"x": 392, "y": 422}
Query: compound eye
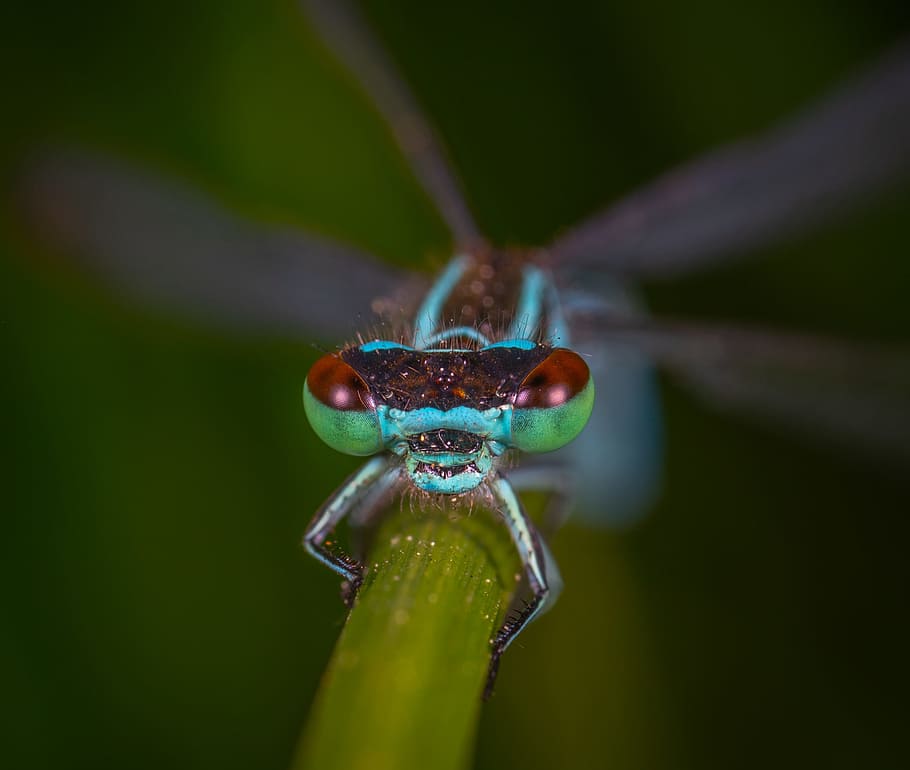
{"x": 341, "y": 408}
{"x": 559, "y": 378}
{"x": 336, "y": 385}
{"x": 553, "y": 403}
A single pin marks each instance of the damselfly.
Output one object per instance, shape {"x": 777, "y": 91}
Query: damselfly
{"x": 498, "y": 319}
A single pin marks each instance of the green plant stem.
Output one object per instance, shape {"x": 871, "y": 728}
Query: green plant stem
{"x": 403, "y": 688}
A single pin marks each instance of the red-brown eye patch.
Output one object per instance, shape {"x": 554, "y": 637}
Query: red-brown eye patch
{"x": 336, "y": 384}
{"x": 560, "y": 376}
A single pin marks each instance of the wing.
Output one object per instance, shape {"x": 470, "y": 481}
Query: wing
{"x": 345, "y": 31}
{"x": 165, "y": 246}
{"x": 855, "y": 393}
{"x": 830, "y": 158}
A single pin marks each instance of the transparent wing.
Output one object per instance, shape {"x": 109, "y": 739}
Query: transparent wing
{"x": 832, "y": 157}
{"x": 164, "y": 245}
{"x": 855, "y": 393}
{"x": 347, "y": 34}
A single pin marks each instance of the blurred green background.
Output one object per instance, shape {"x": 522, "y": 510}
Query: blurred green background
{"x": 157, "y": 609}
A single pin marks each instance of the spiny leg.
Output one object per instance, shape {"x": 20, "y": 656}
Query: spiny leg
{"x": 537, "y": 563}
{"x": 359, "y": 489}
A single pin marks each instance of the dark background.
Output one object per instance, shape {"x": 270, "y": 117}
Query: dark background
{"x": 157, "y": 610}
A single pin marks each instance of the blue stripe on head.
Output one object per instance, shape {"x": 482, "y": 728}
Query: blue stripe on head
{"x": 493, "y": 425}
{"x": 518, "y": 344}
{"x": 369, "y": 347}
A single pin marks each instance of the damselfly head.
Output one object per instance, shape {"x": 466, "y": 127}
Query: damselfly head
{"x": 449, "y": 414}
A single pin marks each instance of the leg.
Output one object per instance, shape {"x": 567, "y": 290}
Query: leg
{"x": 359, "y": 488}
{"x": 536, "y": 560}
{"x": 364, "y": 516}
{"x": 554, "y": 478}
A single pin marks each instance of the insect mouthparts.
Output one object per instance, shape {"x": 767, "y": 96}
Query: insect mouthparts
{"x": 446, "y": 471}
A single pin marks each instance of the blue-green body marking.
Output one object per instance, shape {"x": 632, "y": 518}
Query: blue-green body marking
{"x": 477, "y": 379}
{"x": 485, "y": 370}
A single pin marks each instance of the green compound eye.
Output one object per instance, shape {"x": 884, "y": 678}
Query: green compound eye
{"x": 340, "y": 407}
{"x": 553, "y": 403}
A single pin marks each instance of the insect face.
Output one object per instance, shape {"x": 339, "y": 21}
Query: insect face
{"x": 448, "y": 413}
